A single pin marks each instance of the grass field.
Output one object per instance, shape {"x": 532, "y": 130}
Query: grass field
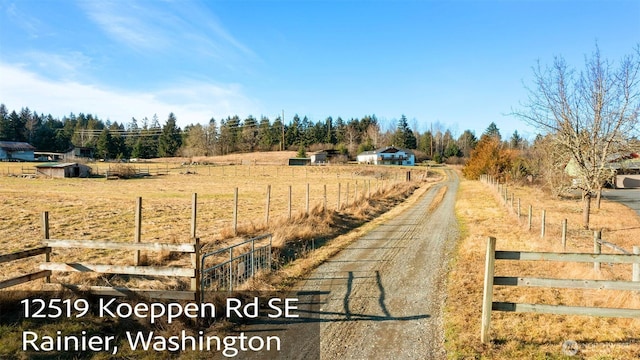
{"x": 538, "y": 336}
{"x": 100, "y": 209}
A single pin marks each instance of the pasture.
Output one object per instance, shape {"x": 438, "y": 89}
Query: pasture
{"x": 483, "y": 213}
{"x": 100, "y": 209}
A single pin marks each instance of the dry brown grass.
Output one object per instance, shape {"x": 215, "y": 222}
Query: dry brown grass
{"x": 482, "y": 214}
{"x": 99, "y": 209}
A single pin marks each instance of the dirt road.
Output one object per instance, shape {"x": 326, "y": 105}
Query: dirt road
{"x": 382, "y": 297}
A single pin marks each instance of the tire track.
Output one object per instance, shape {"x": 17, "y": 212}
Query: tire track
{"x": 383, "y": 294}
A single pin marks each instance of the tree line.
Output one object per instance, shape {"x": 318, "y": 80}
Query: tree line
{"x": 148, "y": 138}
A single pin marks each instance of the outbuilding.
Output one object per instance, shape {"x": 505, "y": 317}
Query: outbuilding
{"x": 63, "y": 170}
{"x": 16, "y": 151}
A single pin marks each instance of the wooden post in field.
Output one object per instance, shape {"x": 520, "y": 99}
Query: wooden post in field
{"x": 543, "y": 223}
{"x": 597, "y": 248}
{"x": 347, "y": 196}
{"x": 267, "y": 205}
{"x": 235, "y": 211}
{"x": 355, "y": 196}
{"x": 289, "y": 202}
{"x": 338, "y": 206}
{"x": 369, "y": 189}
{"x": 564, "y": 234}
{"x": 324, "y": 202}
{"x": 45, "y": 236}
{"x": 307, "y": 200}
{"x": 487, "y": 296}
{"x": 530, "y": 216}
{"x": 636, "y": 267}
{"x": 194, "y": 214}
{"x": 519, "y": 209}
{"x": 195, "y": 264}
{"x": 138, "y": 232}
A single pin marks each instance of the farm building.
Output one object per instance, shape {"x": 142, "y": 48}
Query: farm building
{"x": 299, "y": 161}
{"x": 319, "y": 158}
{"x": 625, "y": 171}
{"x": 389, "y": 155}
{"x": 63, "y": 170}
{"x": 16, "y": 151}
{"x": 79, "y": 153}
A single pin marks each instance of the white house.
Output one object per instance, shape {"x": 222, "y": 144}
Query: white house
{"x": 389, "y": 155}
{"x": 16, "y": 151}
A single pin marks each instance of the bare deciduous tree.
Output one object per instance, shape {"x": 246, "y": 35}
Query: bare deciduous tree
{"x": 591, "y": 114}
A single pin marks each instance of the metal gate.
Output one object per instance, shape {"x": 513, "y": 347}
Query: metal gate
{"x": 227, "y": 268}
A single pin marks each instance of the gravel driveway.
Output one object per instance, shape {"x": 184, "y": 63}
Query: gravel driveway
{"x": 382, "y": 297}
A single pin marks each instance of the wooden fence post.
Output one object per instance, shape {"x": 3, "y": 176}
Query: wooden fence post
{"x": 235, "y": 211}
{"x": 338, "y": 206}
{"x": 543, "y": 223}
{"x": 324, "y": 201}
{"x": 307, "y": 200}
{"x": 597, "y": 248}
{"x": 195, "y": 264}
{"x": 636, "y": 267}
{"x": 355, "y": 196}
{"x": 138, "y": 231}
{"x": 564, "y": 234}
{"x": 267, "y": 205}
{"x": 289, "y": 202}
{"x": 530, "y": 216}
{"x": 518, "y": 209}
{"x": 487, "y": 296}
{"x": 45, "y": 236}
{"x": 194, "y": 214}
{"x": 347, "y": 196}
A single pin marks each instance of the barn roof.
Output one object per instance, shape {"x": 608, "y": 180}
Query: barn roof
{"x": 16, "y": 146}
{"x": 56, "y": 165}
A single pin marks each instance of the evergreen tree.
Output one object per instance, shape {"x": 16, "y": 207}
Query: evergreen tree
{"x": 4, "y": 122}
{"x": 170, "y": 139}
{"x": 493, "y": 131}
{"x": 516, "y": 140}
{"x": 404, "y": 137}
{"x": 104, "y": 145}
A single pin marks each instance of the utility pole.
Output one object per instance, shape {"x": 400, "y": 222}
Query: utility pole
{"x": 282, "y": 143}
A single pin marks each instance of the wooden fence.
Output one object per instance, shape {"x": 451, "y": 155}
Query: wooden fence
{"x": 515, "y": 207}
{"x": 47, "y": 267}
{"x": 490, "y": 280}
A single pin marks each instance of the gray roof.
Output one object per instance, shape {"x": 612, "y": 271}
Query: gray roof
{"x": 16, "y": 146}
{"x": 384, "y": 149}
{"x": 56, "y": 165}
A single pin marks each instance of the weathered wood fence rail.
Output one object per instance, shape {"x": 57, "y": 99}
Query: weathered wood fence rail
{"x": 47, "y": 267}
{"x": 188, "y": 272}
{"x": 24, "y": 254}
{"x": 490, "y": 280}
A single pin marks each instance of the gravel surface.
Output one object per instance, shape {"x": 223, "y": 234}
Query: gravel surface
{"x": 382, "y": 297}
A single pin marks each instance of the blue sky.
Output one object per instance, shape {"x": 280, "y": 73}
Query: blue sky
{"x": 453, "y": 64}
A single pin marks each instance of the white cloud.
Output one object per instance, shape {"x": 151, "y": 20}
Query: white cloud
{"x": 192, "y": 102}
{"x": 165, "y": 26}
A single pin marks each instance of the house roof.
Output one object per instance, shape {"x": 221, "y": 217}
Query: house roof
{"x": 16, "y": 146}
{"x": 387, "y": 149}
